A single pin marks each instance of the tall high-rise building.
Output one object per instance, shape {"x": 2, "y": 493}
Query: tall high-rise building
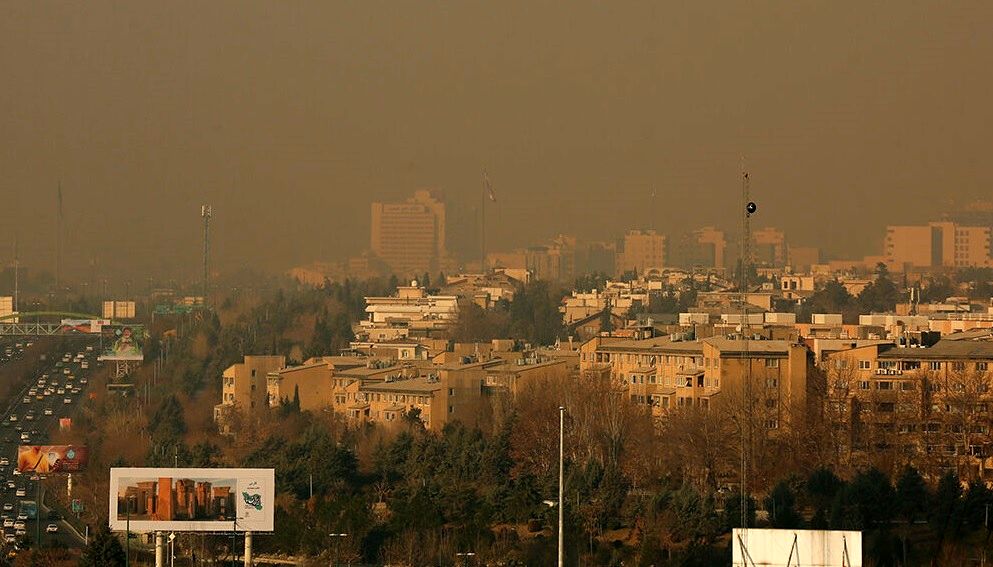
{"x": 410, "y": 236}
{"x": 937, "y": 244}
{"x": 643, "y": 250}
{"x": 769, "y": 247}
{"x": 705, "y": 248}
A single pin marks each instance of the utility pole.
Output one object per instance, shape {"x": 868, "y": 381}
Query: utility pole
{"x": 206, "y": 212}
{"x": 487, "y": 194}
{"x": 561, "y": 476}
{"x": 58, "y": 241}
{"x": 17, "y": 264}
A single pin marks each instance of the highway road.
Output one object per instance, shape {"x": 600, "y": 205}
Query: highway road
{"x": 28, "y": 419}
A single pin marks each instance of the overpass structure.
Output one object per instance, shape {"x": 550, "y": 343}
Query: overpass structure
{"x": 10, "y": 328}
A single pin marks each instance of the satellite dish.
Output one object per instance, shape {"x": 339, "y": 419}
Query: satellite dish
{"x": 751, "y": 207}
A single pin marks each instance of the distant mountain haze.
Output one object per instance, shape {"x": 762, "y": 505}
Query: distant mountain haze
{"x": 291, "y": 118}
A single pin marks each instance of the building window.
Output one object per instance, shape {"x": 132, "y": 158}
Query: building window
{"x": 884, "y": 385}
{"x": 982, "y": 366}
{"x": 451, "y": 391}
{"x": 772, "y": 382}
{"x": 772, "y": 363}
{"x": 885, "y": 407}
{"x": 907, "y": 386}
{"x": 253, "y": 373}
{"x": 864, "y": 385}
{"x": 865, "y": 365}
{"x": 451, "y": 409}
{"x": 958, "y": 366}
{"x": 934, "y": 365}
{"x": 772, "y": 424}
{"x": 771, "y": 403}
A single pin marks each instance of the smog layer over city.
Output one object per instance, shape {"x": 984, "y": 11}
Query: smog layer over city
{"x": 479, "y": 284}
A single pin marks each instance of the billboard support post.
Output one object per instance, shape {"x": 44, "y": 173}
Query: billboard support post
{"x": 37, "y": 515}
{"x": 248, "y": 549}
{"x": 159, "y": 549}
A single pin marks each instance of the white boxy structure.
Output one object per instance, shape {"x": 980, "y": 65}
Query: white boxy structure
{"x": 793, "y": 548}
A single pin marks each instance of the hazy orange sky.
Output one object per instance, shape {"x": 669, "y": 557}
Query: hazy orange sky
{"x": 290, "y": 117}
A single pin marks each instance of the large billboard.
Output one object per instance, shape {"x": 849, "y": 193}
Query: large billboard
{"x": 192, "y": 500}
{"x": 52, "y": 458}
{"x": 122, "y": 342}
{"x": 813, "y": 548}
{"x": 84, "y": 325}
{"x": 118, "y": 309}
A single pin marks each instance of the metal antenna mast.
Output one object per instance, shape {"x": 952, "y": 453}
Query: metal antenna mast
{"x": 17, "y": 265}
{"x": 206, "y": 213}
{"x": 748, "y": 207}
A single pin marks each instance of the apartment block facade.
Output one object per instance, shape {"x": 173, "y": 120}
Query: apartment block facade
{"x": 410, "y": 236}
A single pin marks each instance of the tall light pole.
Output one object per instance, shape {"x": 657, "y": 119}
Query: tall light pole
{"x": 206, "y": 212}
{"x": 561, "y": 476}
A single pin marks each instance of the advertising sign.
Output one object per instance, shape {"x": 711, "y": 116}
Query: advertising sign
{"x": 122, "y": 342}
{"x": 84, "y": 325}
{"x": 192, "y": 500}
{"x": 52, "y": 458}
{"x": 816, "y": 548}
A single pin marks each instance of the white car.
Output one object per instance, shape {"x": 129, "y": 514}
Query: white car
{"x": 48, "y": 411}
{"x": 8, "y": 522}
{"x": 4, "y": 461}
{"x": 60, "y": 391}
{"x": 7, "y": 507}
{"x": 65, "y": 371}
{"x": 21, "y": 518}
{"x": 13, "y": 417}
{"x": 21, "y": 493}
{"x": 21, "y": 531}
{"x": 84, "y": 365}
{"x": 67, "y": 400}
{"x": 52, "y": 528}
{"x": 10, "y": 538}
{"x": 83, "y": 380}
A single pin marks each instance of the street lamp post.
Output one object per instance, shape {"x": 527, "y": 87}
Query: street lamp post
{"x": 561, "y": 461}
{"x": 337, "y": 539}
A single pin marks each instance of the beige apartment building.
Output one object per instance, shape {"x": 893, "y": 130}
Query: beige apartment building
{"x": 930, "y": 406}
{"x": 769, "y": 246}
{"x": 410, "y": 236}
{"x": 711, "y": 245}
{"x": 644, "y": 250}
{"x": 243, "y": 385}
{"x": 936, "y": 245}
{"x": 666, "y": 374}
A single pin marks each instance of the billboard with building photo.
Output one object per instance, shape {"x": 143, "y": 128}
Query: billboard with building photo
{"x": 122, "y": 342}
{"x": 192, "y": 500}
{"x": 52, "y": 458}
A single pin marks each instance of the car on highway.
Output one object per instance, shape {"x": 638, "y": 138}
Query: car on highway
{"x": 26, "y": 400}
{"x": 19, "y": 524}
{"x": 13, "y": 417}
{"x": 60, "y": 391}
{"x": 48, "y": 411}
{"x": 65, "y": 371}
{"x": 52, "y": 528}
{"x": 21, "y": 531}
{"x": 25, "y": 436}
{"x": 9, "y": 538}
{"x": 16, "y": 473}
{"x": 8, "y": 507}
{"x": 22, "y": 517}
{"x": 21, "y": 493}
{"x": 11, "y": 484}
{"x": 8, "y": 522}
{"x": 84, "y": 365}
{"x": 28, "y": 417}
{"x": 4, "y": 461}
{"x": 67, "y": 400}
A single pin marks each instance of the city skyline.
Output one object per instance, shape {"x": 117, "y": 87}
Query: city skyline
{"x": 872, "y": 115}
